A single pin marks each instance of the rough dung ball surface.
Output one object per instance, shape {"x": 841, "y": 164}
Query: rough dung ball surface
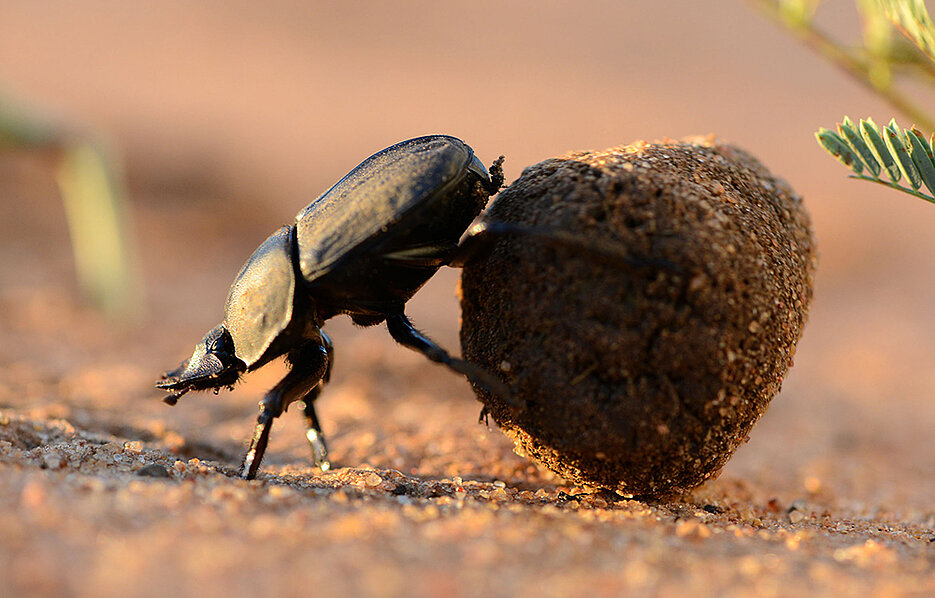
{"x": 640, "y": 352}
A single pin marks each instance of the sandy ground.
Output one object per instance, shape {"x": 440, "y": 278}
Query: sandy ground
{"x": 831, "y": 496}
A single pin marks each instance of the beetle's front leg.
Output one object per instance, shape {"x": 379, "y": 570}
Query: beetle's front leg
{"x": 309, "y": 367}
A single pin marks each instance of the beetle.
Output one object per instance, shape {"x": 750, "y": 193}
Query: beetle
{"x": 362, "y": 248}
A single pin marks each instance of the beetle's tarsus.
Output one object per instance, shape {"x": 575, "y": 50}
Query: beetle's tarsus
{"x": 254, "y": 456}
{"x": 313, "y": 431}
{"x": 496, "y": 175}
{"x": 319, "y": 449}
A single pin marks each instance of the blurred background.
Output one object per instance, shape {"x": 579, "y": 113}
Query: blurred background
{"x": 228, "y": 117}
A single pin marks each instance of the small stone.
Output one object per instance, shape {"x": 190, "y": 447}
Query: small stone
{"x": 499, "y": 494}
{"x": 53, "y": 460}
{"x": 133, "y": 446}
{"x": 153, "y": 470}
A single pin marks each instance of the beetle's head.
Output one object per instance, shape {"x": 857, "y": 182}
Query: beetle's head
{"x": 213, "y": 365}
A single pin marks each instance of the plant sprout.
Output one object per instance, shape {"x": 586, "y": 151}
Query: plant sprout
{"x": 92, "y": 194}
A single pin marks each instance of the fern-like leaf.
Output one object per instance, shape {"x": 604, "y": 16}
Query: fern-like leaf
{"x": 871, "y": 134}
{"x": 837, "y": 147}
{"x": 895, "y": 141}
{"x": 912, "y": 18}
{"x": 869, "y": 151}
{"x": 857, "y": 143}
{"x": 921, "y": 154}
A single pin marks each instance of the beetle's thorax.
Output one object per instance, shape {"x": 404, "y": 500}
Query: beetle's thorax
{"x": 260, "y": 305}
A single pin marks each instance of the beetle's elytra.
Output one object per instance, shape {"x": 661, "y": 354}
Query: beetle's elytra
{"x": 362, "y": 248}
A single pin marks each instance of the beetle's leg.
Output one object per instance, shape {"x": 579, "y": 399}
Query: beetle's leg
{"x": 309, "y": 365}
{"x": 484, "y": 417}
{"x": 402, "y": 331}
{"x": 251, "y": 461}
{"x": 481, "y": 238}
{"x": 313, "y": 431}
{"x": 313, "y": 427}
{"x": 477, "y": 243}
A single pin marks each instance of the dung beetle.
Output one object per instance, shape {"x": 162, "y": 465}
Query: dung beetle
{"x": 362, "y": 248}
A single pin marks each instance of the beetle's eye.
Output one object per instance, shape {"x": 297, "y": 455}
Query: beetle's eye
{"x": 217, "y": 345}
{"x": 220, "y": 343}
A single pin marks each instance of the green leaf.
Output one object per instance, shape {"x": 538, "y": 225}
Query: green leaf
{"x": 925, "y": 146}
{"x": 871, "y": 134}
{"x": 838, "y": 148}
{"x": 797, "y": 12}
{"x": 853, "y": 138}
{"x": 893, "y": 136}
{"x": 921, "y": 155}
{"x": 912, "y": 18}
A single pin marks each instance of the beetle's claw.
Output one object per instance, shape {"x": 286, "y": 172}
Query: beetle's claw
{"x": 496, "y": 175}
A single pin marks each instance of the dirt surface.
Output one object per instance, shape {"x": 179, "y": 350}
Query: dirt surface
{"x": 423, "y": 500}
{"x": 231, "y": 116}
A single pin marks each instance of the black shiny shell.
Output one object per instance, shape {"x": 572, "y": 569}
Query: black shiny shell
{"x": 260, "y": 302}
{"x": 366, "y": 205}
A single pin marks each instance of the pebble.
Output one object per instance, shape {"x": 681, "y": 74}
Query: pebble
{"x": 796, "y": 516}
{"x": 372, "y": 479}
{"x": 53, "y": 460}
{"x": 153, "y": 470}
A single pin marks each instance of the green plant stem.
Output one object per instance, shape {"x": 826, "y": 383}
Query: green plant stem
{"x": 835, "y": 53}
{"x": 892, "y": 185}
{"x": 96, "y": 209}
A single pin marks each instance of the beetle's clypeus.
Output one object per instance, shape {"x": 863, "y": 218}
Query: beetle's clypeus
{"x": 363, "y": 248}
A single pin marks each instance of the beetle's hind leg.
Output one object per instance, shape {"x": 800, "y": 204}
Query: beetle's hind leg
{"x": 404, "y": 333}
{"x": 309, "y": 368}
{"x": 483, "y": 236}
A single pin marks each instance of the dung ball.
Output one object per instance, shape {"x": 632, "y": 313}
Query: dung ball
{"x": 647, "y": 313}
